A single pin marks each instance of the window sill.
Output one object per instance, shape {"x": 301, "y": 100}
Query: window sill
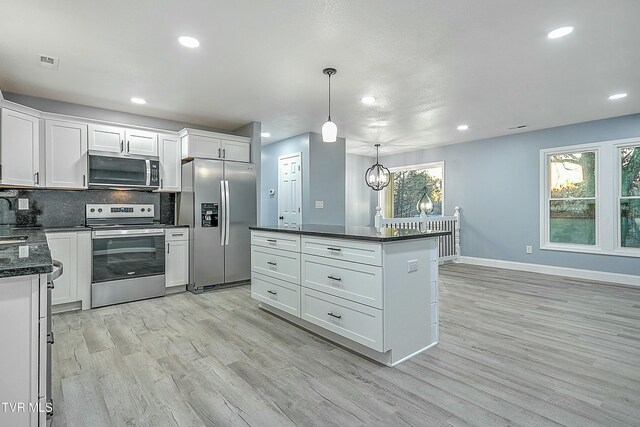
{"x": 629, "y": 253}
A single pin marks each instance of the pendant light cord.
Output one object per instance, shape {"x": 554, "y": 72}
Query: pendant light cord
{"x": 329, "y": 97}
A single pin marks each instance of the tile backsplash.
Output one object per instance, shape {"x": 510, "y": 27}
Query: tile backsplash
{"x": 66, "y": 208}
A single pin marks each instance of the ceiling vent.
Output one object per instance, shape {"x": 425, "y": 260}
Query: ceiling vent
{"x": 517, "y": 127}
{"x": 48, "y": 61}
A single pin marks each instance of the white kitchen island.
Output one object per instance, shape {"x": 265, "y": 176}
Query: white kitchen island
{"x": 372, "y": 291}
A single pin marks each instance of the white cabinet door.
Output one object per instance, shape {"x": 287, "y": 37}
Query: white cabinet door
{"x": 236, "y": 151}
{"x": 201, "y": 146}
{"x": 66, "y": 154}
{"x": 176, "y": 263}
{"x": 19, "y": 315}
{"x": 64, "y": 248}
{"x": 170, "y": 164}
{"x": 141, "y": 142}
{"x": 106, "y": 138}
{"x": 19, "y": 149}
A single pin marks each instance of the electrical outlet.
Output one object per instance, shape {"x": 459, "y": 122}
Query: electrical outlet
{"x": 529, "y": 249}
{"x": 319, "y": 204}
{"x": 413, "y": 265}
{"x": 23, "y": 204}
{"x": 23, "y": 251}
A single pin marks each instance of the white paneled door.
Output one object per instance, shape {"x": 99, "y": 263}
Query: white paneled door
{"x": 290, "y": 189}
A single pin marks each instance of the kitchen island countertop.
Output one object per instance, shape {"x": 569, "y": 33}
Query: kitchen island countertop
{"x": 354, "y": 232}
{"x": 31, "y": 256}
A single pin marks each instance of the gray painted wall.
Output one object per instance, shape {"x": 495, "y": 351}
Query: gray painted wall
{"x": 496, "y": 183}
{"x": 360, "y": 199}
{"x": 253, "y": 130}
{"x": 323, "y": 178}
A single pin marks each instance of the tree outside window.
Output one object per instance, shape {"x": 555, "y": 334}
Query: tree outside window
{"x": 407, "y": 188}
{"x": 630, "y": 197}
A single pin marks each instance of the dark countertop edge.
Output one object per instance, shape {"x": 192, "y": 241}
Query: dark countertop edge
{"x": 353, "y": 236}
{"x": 25, "y": 271}
{"x": 88, "y": 228}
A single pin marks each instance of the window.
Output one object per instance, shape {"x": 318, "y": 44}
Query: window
{"x": 572, "y": 198}
{"x": 590, "y": 198}
{"x": 411, "y": 184}
{"x": 629, "y": 197}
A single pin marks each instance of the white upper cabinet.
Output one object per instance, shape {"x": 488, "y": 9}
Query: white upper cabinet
{"x": 112, "y": 139}
{"x": 211, "y": 145}
{"x": 66, "y": 154}
{"x": 140, "y": 142}
{"x": 19, "y": 149}
{"x": 106, "y": 138}
{"x": 236, "y": 151}
{"x": 170, "y": 164}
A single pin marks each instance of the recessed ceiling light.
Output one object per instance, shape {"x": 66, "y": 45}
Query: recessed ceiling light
{"x": 188, "y": 41}
{"x": 463, "y": 127}
{"x": 560, "y": 32}
{"x": 618, "y": 96}
{"x": 265, "y": 134}
{"x": 138, "y": 100}
{"x": 368, "y": 100}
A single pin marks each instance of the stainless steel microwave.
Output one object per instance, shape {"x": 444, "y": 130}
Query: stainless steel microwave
{"x": 123, "y": 172}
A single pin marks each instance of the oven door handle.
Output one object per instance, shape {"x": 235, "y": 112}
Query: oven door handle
{"x": 110, "y": 234}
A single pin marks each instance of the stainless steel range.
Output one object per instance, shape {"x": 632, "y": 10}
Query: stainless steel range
{"x": 127, "y": 253}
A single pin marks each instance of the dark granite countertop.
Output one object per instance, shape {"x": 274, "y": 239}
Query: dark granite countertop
{"x": 33, "y": 258}
{"x": 354, "y": 233}
{"x": 66, "y": 229}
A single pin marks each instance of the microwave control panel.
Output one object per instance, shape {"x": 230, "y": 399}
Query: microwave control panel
{"x": 209, "y": 213}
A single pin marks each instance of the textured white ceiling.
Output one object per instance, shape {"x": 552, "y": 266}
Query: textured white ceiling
{"x": 431, "y": 64}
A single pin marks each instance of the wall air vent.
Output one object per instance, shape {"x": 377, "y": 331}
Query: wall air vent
{"x": 48, "y": 61}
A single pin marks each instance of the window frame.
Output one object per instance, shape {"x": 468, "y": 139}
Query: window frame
{"x": 635, "y": 142}
{"x": 440, "y": 163}
{"x": 607, "y": 186}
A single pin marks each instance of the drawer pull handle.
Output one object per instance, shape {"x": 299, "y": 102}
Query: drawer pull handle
{"x": 272, "y": 241}
{"x": 177, "y": 234}
{"x": 273, "y": 292}
{"x": 335, "y": 315}
{"x": 272, "y": 263}
{"x": 334, "y": 278}
{"x": 334, "y": 249}
{"x": 50, "y": 339}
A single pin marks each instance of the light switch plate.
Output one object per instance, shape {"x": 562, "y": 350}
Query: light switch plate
{"x": 529, "y": 249}
{"x": 413, "y": 265}
{"x": 319, "y": 204}
{"x": 23, "y": 204}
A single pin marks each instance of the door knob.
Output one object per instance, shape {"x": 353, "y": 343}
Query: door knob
{"x": 281, "y": 217}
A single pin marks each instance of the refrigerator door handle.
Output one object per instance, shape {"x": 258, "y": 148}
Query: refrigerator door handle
{"x": 223, "y": 211}
{"x": 227, "y": 214}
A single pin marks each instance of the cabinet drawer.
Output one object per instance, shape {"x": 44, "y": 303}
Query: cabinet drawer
{"x": 173, "y": 234}
{"x": 276, "y": 293}
{"x": 279, "y": 264}
{"x": 354, "y": 321}
{"x": 341, "y": 249}
{"x": 355, "y": 282}
{"x": 285, "y": 241}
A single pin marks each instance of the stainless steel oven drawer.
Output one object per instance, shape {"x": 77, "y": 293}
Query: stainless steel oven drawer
{"x": 125, "y": 290}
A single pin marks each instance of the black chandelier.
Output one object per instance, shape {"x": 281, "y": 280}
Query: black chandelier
{"x": 377, "y": 176}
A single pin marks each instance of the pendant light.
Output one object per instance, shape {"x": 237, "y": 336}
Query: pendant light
{"x": 329, "y": 129}
{"x": 425, "y": 204}
{"x": 377, "y": 176}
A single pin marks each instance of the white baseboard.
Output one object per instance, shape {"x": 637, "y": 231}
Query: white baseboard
{"x": 577, "y": 273}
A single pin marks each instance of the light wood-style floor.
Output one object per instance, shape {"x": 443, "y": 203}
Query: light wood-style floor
{"x": 515, "y": 349}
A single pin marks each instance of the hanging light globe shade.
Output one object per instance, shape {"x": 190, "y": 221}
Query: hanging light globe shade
{"x": 425, "y": 204}
{"x": 329, "y": 131}
{"x": 377, "y": 176}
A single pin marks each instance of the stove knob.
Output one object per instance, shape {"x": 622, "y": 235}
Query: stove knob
{"x": 92, "y": 210}
{"x": 142, "y": 209}
{"x": 99, "y": 210}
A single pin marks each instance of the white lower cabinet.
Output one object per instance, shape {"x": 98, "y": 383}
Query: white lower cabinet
{"x": 357, "y": 293}
{"x": 176, "y": 258}
{"x": 278, "y": 293}
{"x": 357, "y": 322}
{"x": 24, "y": 349}
{"x": 73, "y": 249}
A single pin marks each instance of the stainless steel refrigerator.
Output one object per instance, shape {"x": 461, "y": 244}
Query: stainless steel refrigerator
{"x": 218, "y": 203}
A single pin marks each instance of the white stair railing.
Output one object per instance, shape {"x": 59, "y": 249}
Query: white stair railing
{"x": 449, "y": 244}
